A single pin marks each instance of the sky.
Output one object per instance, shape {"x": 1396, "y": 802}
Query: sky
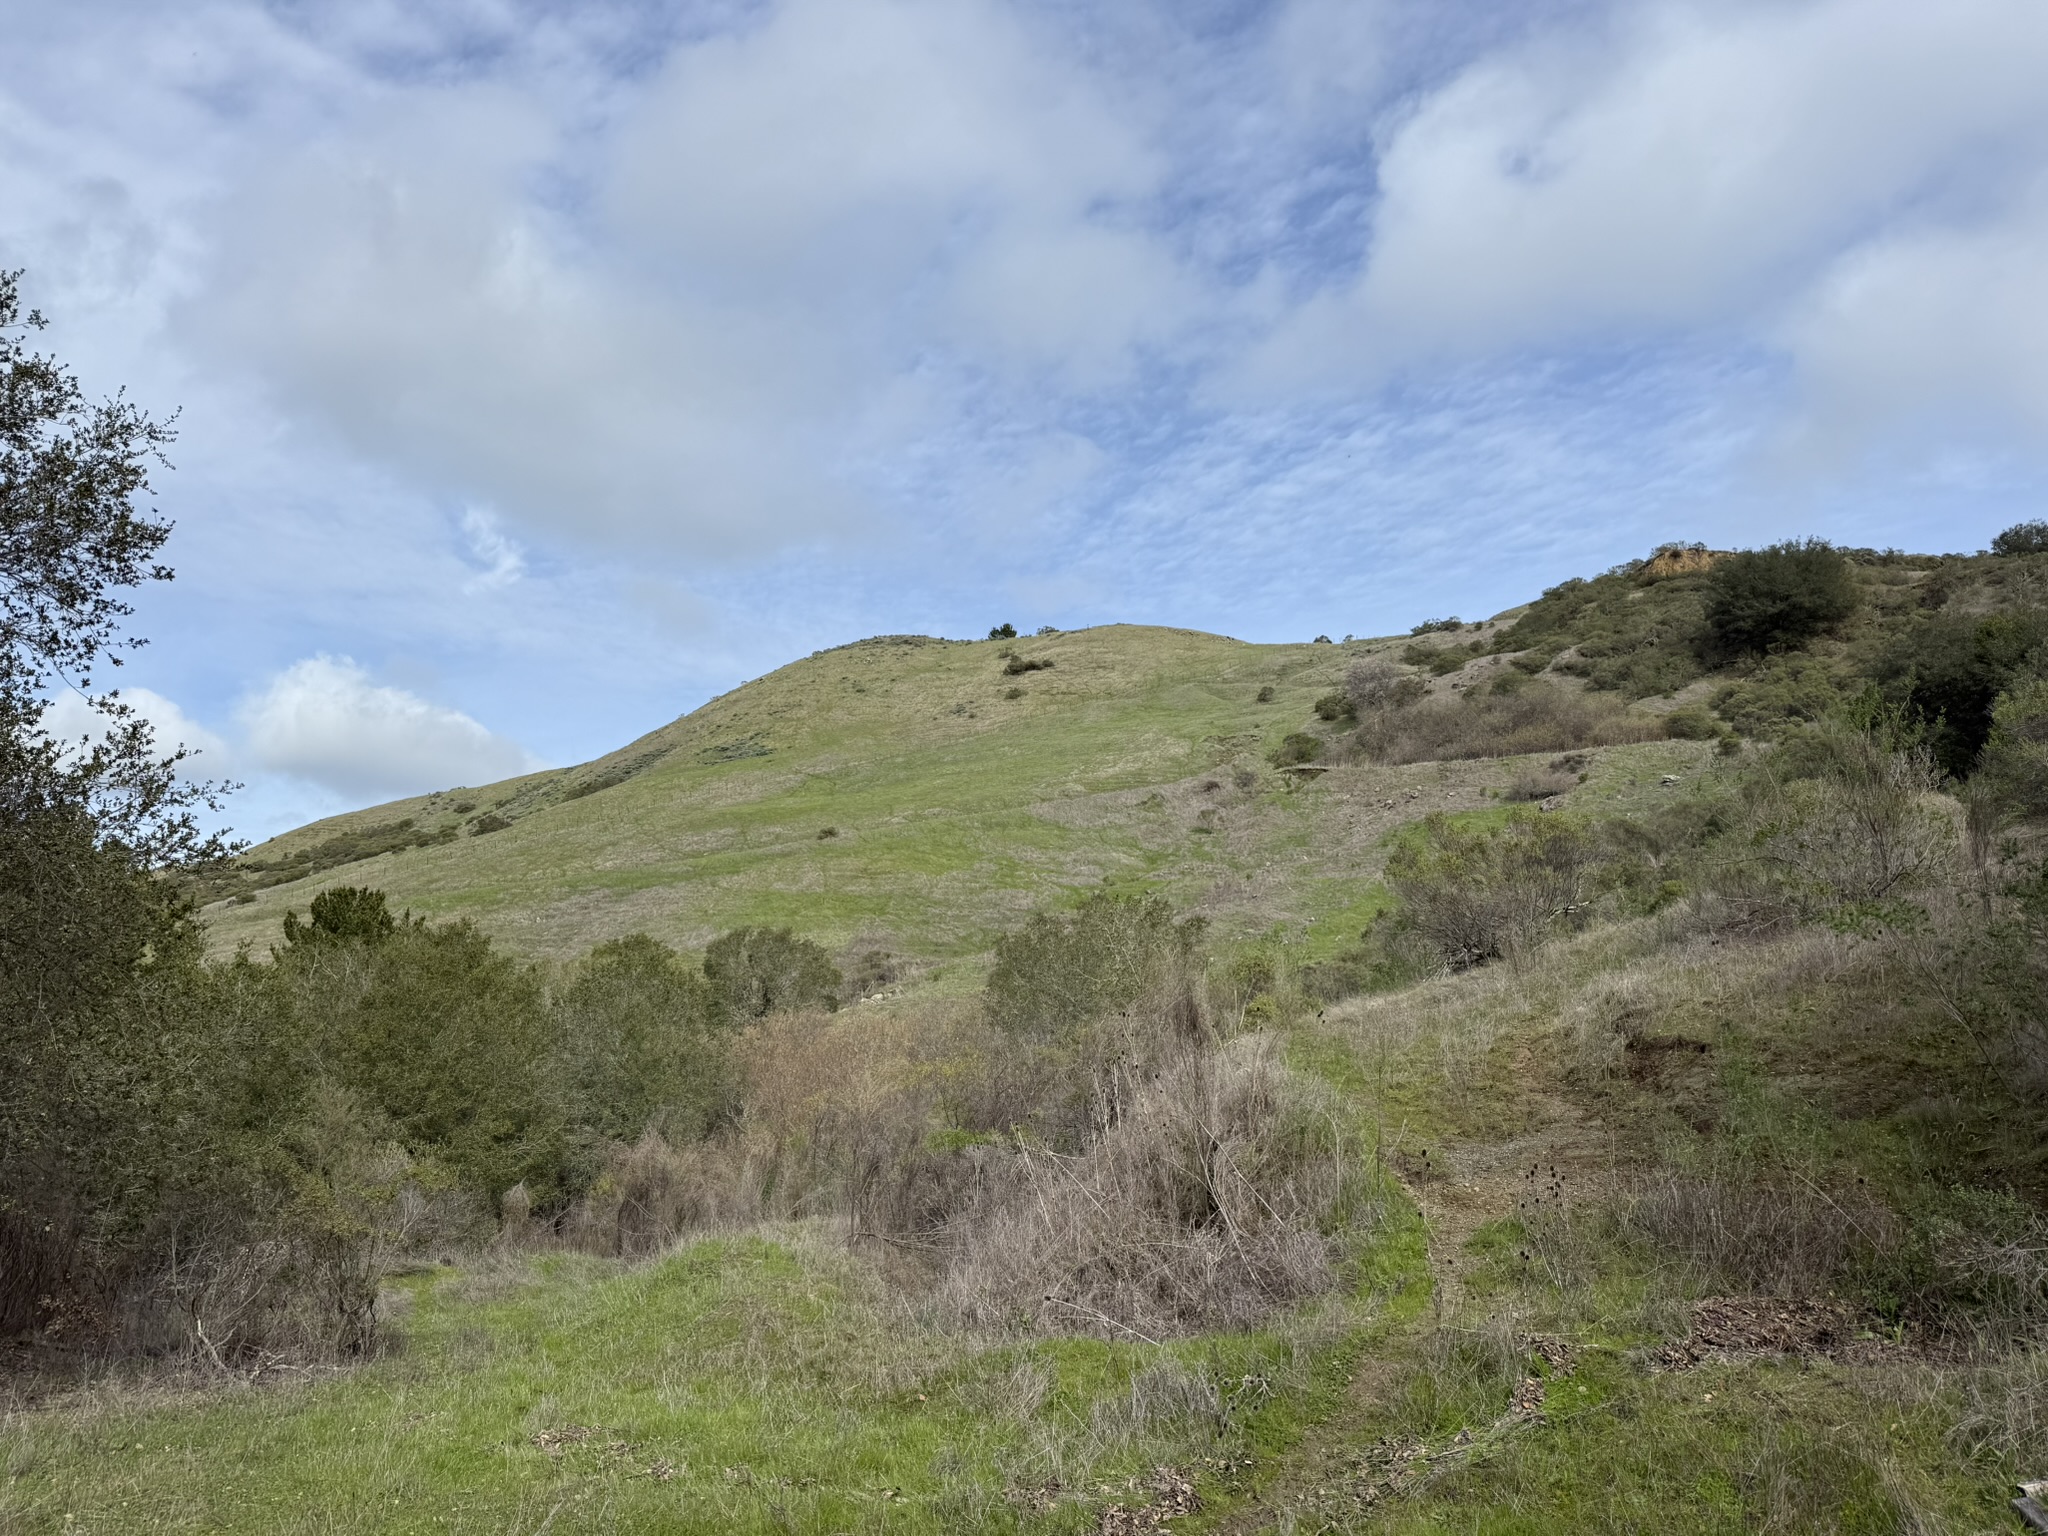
{"x": 544, "y": 369}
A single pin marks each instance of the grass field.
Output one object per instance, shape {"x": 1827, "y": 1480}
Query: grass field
{"x": 771, "y": 1381}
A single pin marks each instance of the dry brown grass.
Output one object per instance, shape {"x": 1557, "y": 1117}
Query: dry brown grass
{"x": 1540, "y": 717}
{"x": 1204, "y": 1207}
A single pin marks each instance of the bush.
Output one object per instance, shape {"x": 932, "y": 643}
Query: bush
{"x": 446, "y": 1040}
{"x": 642, "y": 1044}
{"x": 1471, "y": 896}
{"x": 1265, "y": 695}
{"x": 1017, "y": 666}
{"x": 1777, "y": 598}
{"x": 1003, "y": 632}
{"x": 2015, "y": 759}
{"x": 1211, "y": 1202}
{"x": 1437, "y": 626}
{"x": 1058, "y": 972}
{"x": 1335, "y": 706}
{"x": 2029, "y": 538}
{"x": 1951, "y": 670}
{"x": 1543, "y": 717}
{"x": 1779, "y": 694}
{"x": 757, "y": 971}
{"x": 1377, "y": 686}
{"x": 1296, "y": 748}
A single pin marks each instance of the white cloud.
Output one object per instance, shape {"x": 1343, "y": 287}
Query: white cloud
{"x": 503, "y": 561}
{"x": 322, "y": 719}
{"x": 1696, "y": 168}
{"x": 681, "y": 313}
{"x": 71, "y": 718}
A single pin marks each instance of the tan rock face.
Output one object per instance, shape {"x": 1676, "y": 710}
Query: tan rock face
{"x": 1677, "y": 560}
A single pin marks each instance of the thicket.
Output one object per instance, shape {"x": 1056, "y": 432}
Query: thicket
{"x": 1399, "y": 723}
{"x": 1778, "y": 598}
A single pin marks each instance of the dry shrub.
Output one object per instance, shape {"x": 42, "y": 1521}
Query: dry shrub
{"x": 1204, "y": 1207}
{"x": 1533, "y": 783}
{"x": 1784, "y": 1237}
{"x": 1542, "y": 717}
{"x": 1859, "y": 830}
{"x": 1468, "y": 897}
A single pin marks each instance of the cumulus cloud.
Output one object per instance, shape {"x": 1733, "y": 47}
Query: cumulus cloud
{"x": 71, "y": 718}
{"x": 324, "y": 720}
{"x": 683, "y": 321}
{"x": 1705, "y": 169}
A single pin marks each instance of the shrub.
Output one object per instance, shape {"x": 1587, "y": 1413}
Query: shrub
{"x": 1266, "y": 694}
{"x": 1376, "y": 686}
{"x": 758, "y": 971}
{"x": 1692, "y": 722}
{"x": 487, "y": 823}
{"x": 345, "y": 914}
{"x": 1471, "y": 896}
{"x": 1437, "y": 626}
{"x": 1782, "y": 692}
{"x": 1210, "y": 1203}
{"x": 1542, "y": 717}
{"x": 1059, "y": 971}
{"x": 2029, "y": 538}
{"x": 1951, "y": 670}
{"x": 1777, "y": 598}
{"x": 435, "y": 1032}
{"x": 1295, "y": 748}
{"x": 1533, "y": 783}
{"x": 1335, "y": 706}
{"x": 1003, "y": 632}
{"x": 1017, "y": 666}
{"x": 642, "y": 1043}
{"x": 2015, "y": 759}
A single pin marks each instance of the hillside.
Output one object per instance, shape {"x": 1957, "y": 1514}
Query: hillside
{"x": 1652, "y": 1142}
{"x": 889, "y": 794}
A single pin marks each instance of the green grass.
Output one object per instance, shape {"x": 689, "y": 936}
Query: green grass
{"x": 951, "y": 825}
{"x": 770, "y": 1379}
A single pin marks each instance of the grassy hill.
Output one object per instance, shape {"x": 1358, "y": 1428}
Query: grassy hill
{"x": 1712, "y": 1199}
{"x": 911, "y": 794}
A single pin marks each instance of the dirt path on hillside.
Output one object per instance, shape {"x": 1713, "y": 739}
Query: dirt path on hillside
{"x": 1326, "y": 1482}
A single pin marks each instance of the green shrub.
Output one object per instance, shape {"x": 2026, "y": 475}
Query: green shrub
{"x": 1335, "y": 706}
{"x": 1778, "y": 598}
{"x": 489, "y": 822}
{"x": 758, "y": 971}
{"x": 1017, "y": 666}
{"x": 1692, "y": 722}
{"x": 345, "y": 914}
{"x": 1782, "y": 692}
{"x": 1294, "y": 749}
{"x": 642, "y": 1044}
{"x": 1003, "y": 632}
{"x": 1437, "y": 626}
{"x": 1266, "y": 694}
{"x": 1951, "y": 669}
{"x": 444, "y": 1038}
{"x": 2015, "y": 760}
{"x": 2029, "y": 538}
{"x": 1059, "y": 972}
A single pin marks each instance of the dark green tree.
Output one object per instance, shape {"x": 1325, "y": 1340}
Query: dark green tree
{"x": 1778, "y": 598}
{"x": 2029, "y": 538}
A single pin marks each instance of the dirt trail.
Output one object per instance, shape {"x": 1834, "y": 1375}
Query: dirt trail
{"x": 1459, "y": 1187}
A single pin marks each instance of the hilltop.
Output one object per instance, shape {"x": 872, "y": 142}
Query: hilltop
{"x": 918, "y": 795}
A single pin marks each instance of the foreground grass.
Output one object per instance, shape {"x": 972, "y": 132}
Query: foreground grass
{"x": 740, "y": 1385}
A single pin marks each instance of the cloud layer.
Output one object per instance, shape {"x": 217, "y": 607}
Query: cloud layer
{"x": 325, "y": 721}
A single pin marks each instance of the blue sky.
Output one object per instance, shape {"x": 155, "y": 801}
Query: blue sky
{"x": 545, "y": 369}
